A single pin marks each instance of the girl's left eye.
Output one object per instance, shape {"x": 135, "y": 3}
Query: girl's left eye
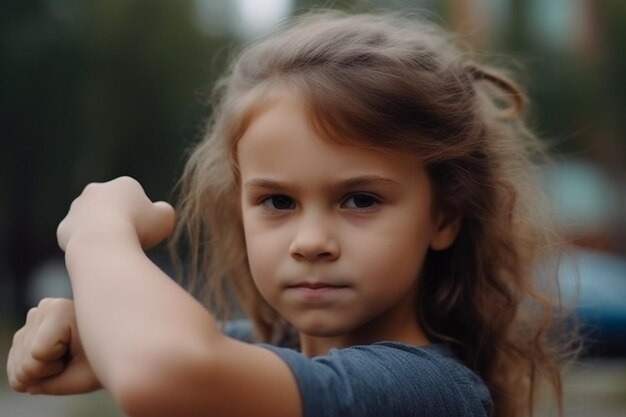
{"x": 361, "y": 201}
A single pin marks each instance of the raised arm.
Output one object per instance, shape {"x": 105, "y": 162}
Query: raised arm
{"x": 157, "y": 350}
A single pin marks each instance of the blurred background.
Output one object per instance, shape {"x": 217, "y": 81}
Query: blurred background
{"x": 94, "y": 89}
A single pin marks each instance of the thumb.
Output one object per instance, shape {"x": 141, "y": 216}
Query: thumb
{"x": 75, "y": 379}
{"x": 160, "y": 223}
{"x": 167, "y": 215}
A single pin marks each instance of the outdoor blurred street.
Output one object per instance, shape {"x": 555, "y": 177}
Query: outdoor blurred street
{"x": 595, "y": 388}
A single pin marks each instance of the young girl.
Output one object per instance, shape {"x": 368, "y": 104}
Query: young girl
{"x": 364, "y": 186}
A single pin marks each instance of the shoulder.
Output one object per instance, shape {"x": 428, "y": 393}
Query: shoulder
{"x": 387, "y": 379}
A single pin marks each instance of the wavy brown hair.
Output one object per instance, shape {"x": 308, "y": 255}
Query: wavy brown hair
{"x": 398, "y": 83}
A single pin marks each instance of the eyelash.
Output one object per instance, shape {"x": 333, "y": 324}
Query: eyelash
{"x": 268, "y": 200}
{"x": 269, "y": 203}
{"x": 375, "y": 202}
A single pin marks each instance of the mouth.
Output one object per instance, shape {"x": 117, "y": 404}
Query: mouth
{"x": 317, "y": 285}
{"x": 318, "y": 294}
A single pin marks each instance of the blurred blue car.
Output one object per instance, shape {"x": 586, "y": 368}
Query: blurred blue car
{"x": 595, "y": 283}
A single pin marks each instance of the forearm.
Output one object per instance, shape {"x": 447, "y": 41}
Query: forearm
{"x": 130, "y": 315}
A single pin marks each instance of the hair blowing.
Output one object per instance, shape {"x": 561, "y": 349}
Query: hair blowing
{"x": 399, "y": 84}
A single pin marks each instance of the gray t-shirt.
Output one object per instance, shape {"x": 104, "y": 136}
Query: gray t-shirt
{"x": 384, "y": 379}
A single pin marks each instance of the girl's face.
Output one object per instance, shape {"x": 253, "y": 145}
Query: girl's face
{"x": 335, "y": 235}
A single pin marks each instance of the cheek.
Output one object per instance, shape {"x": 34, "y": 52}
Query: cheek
{"x": 259, "y": 264}
{"x": 263, "y": 249}
{"x": 393, "y": 260}
{"x": 253, "y": 248}
{"x": 256, "y": 254}
{"x": 397, "y": 251}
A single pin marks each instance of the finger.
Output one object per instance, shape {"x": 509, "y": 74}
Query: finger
{"x": 52, "y": 336}
{"x": 20, "y": 343}
{"x": 32, "y": 317}
{"x": 23, "y": 338}
{"x": 64, "y": 227}
{"x": 31, "y": 370}
{"x": 167, "y": 215}
{"x": 52, "y": 339}
{"x": 61, "y": 235}
{"x": 158, "y": 224}
{"x": 74, "y": 380}
{"x": 14, "y": 383}
{"x": 35, "y": 370}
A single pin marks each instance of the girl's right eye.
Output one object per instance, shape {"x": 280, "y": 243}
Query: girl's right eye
{"x": 278, "y": 202}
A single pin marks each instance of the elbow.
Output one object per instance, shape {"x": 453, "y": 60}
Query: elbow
{"x": 137, "y": 391}
{"x": 160, "y": 385}
{"x": 135, "y": 399}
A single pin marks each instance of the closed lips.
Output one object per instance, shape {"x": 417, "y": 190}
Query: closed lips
{"x": 317, "y": 285}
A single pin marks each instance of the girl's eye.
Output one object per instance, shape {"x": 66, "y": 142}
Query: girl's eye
{"x": 361, "y": 201}
{"x": 279, "y": 202}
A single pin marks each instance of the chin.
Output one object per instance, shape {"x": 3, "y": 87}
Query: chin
{"x": 322, "y": 328}
{"x": 316, "y": 332}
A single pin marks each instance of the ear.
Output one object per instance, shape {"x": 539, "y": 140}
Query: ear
{"x": 447, "y": 227}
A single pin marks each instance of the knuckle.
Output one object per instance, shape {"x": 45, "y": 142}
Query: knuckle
{"x": 17, "y": 337}
{"x": 15, "y": 384}
{"x": 91, "y": 186}
{"x": 38, "y": 349}
{"x": 31, "y": 314}
{"x": 60, "y": 229}
{"x": 52, "y": 302}
{"x": 74, "y": 204}
{"x": 29, "y": 370}
{"x": 20, "y": 376}
{"x": 45, "y": 302}
{"x": 129, "y": 182}
{"x": 58, "y": 305}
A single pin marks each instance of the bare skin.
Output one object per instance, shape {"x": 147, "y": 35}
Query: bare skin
{"x": 182, "y": 366}
{"x": 134, "y": 332}
{"x": 356, "y": 223}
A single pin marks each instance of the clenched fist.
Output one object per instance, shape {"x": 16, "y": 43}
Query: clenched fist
{"x": 47, "y": 356}
{"x": 119, "y": 207}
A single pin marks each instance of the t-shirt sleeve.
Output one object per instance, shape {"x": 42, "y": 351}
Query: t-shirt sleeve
{"x": 385, "y": 379}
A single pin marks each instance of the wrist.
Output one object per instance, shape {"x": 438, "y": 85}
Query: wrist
{"x": 104, "y": 236}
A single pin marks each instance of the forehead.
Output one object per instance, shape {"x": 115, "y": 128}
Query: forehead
{"x": 290, "y": 97}
{"x": 280, "y": 140}
{"x": 285, "y": 102}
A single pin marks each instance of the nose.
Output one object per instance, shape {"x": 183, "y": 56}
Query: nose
{"x": 314, "y": 241}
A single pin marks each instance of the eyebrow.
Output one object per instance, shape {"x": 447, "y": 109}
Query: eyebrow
{"x": 347, "y": 183}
